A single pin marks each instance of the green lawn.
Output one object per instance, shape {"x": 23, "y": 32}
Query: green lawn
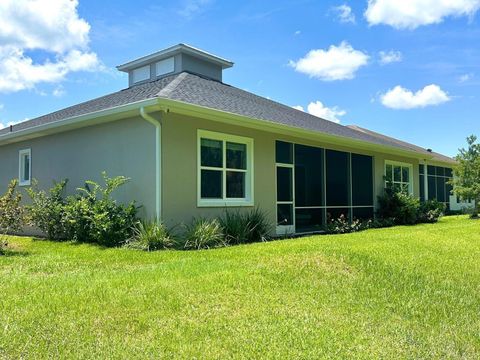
{"x": 403, "y": 292}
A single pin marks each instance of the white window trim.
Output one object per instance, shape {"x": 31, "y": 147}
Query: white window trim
{"x": 21, "y": 167}
{"x": 249, "y": 176}
{"x": 403, "y": 164}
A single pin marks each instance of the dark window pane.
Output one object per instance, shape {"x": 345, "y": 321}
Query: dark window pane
{"x": 389, "y": 173}
{"x": 441, "y": 189}
{"x": 284, "y": 152}
{"x": 236, "y": 156}
{"x": 405, "y": 174}
{"x": 448, "y": 172}
{"x": 432, "y": 188}
{"x": 235, "y": 184}
{"x": 335, "y": 213}
{"x": 307, "y": 220}
{"x": 285, "y": 214}
{"x": 440, "y": 171}
{"x": 362, "y": 180}
{"x": 212, "y": 153}
{"x": 363, "y": 213}
{"x": 26, "y": 168}
{"x": 337, "y": 177}
{"x": 284, "y": 184}
{"x": 422, "y": 187}
{"x": 308, "y": 176}
{"x": 211, "y": 184}
{"x": 397, "y": 173}
{"x": 421, "y": 169}
{"x": 448, "y": 191}
{"x": 431, "y": 170}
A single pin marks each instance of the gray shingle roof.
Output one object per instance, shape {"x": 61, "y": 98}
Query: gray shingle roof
{"x": 196, "y": 90}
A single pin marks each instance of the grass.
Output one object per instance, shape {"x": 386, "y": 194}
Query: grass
{"x": 403, "y": 292}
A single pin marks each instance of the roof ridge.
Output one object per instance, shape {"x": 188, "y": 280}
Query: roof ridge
{"x": 172, "y": 85}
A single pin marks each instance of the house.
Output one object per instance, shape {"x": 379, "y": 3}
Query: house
{"x": 193, "y": 146}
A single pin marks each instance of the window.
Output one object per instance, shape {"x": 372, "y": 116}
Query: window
{"x": 165, "y": 66}
{"x": 141, "y": 74}
{"x": 225, "y": 165}
{"x": 399, "y": 175}
{"x": 25, "y": 167}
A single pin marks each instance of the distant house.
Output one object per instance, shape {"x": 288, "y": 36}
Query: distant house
{"x": 193, "y": 146}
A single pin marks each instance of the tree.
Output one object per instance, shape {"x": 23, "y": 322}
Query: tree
{"x": 466, "y": 180}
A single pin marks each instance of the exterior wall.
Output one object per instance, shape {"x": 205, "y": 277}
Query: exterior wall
{"x": 189, "y": 63}
{"x": 125, "y": 147}
{"x": 179, "y": 159}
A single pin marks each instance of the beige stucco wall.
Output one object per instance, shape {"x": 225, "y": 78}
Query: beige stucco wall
{"x": 179, "y": 146}
{"x": 125, "y": 147}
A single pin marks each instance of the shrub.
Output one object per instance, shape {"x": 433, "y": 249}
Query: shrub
{"x": 11, "y": 213}
{"x": 47, "y": 211}
{"x": 400, "y": 207}
{"x": 204, "y": 234}
{"x": 342, "y": 225}
{"x": 430, "y": 211}
{"x": 244, "y": 227}
{"x": 93, "y": 216}
{"x": 150, "y": 236}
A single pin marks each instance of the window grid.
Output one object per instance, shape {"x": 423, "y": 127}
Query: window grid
{"x": 405, "y": 182}
{"x": 225, "y": 139}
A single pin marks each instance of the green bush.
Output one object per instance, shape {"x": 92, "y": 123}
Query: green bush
{"x": 430, "y": 211}
{"x": 150, "y": 236}
{"x": 93, "y": 216}
{"x": 47, "y": 211}
{"x": 399, "y": 206}
{"x": 204, "y": 234}
{"x": 244, "y": 227}
{"x": 11, "y": 213}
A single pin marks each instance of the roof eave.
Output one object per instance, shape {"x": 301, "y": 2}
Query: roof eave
{"x": 159, "y": 55}
{"x": 75, "y": 122}
{"x": 235, "y": 119}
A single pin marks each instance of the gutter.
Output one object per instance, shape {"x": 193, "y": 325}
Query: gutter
{"x": 158, "y": 161}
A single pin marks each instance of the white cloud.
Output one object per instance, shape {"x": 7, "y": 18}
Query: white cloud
{"x": 401, "y": 98}
{"x": 193, "y": 7}
{"x": 318, "y": 109}
{"x": 465, "y": 77}
{"x": 50, "y": 26}
{"x": 344, "y": 13}
{"x": 59, "y": 91}
{"x": 337, "y": 63}
{"x": 414, "y": 13}
{"x": 388, "y": 57}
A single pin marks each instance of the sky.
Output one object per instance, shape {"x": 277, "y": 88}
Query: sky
{"x": 408, "y": 69}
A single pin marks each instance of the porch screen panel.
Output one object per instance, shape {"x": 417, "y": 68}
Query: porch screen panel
{"x": 309, "y": 195}
{"x": 337, "y": 174}
{"x": 308, "y": 176}
{"x": 362, "y": 180}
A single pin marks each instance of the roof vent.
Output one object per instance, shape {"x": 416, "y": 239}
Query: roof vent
{"x": 173, "y": 60}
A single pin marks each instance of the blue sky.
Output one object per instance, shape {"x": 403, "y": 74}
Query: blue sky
{"x": 412, "y": 73}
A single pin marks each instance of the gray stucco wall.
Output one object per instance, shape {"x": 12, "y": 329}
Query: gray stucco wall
{"x": 125, "y": 147}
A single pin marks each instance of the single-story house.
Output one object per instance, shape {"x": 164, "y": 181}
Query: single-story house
{"x": 193, "y": 146}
